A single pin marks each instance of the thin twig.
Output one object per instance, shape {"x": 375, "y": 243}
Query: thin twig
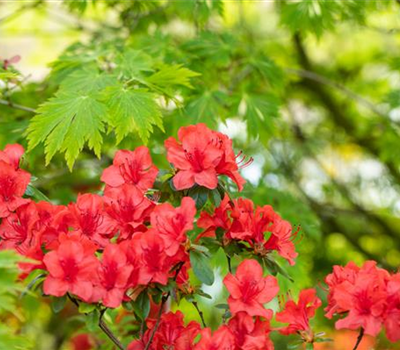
{"x": 200, "y": 313}
{"x": 102, "y": 325}
{"x": 229, "y": 263}
{"x": 163, "y": 301}
{"x": 359, "y": 338}
{"x": 16, "y": 106}
{"x": 109, "y": 333}
{"x": 154, "y": 330}
{"x": 323, "y": 80}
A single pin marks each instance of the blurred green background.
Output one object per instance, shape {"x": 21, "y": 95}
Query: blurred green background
{"x": 310, "y": 89}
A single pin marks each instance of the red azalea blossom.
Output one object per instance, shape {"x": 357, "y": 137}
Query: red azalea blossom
{"x": 82, "y": 342}
{"x": 13, "y": 180}
{"x": 223, "y": 338}
{"x": 249, "y": 290}
{"x": 12, "y": 155}
{"x": 17, "y": 231}
{"x": 392, "y": 314}
{"x": 219, "y": 219}
{"x": 171, "y": 334}
{"x": 339, "y": 275}
{"x": 200, "y": 157}
{"x": 173, "y": 223}
{"x": 363, "y": 296}
{"x": 72, "y": 268}
{"x": 250, "y": 334}
{"x": 129, "y": 208}
{"x": 114, "y": 274}
{"x": 156, "y": 264}
{"x": 89, "y": 217}
{"x": 261, "y": 227}
{"x": 53, "y": 220}
{"x": 131, "y": 167}
{"x": 281, "y": 240}
{"x": 298, "y": 315}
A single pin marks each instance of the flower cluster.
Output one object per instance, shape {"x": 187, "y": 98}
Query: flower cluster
{"x": 369, "y": 297}
{"x": 103, "y": 248}
{"x": 298, "y": 315}
{"x": 261, "y": 227}
{"x": 248, "y": 328}
{"x": 201, "y": 156}
{"x": 136, "y": 244}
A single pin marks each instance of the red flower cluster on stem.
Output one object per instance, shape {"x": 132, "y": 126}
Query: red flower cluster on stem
{"x": 123, "y": 247}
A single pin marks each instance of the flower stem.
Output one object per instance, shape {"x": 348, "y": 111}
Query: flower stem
{"x": 229, "y": 263}
{"x": 154, "y": 330}
{"x": 200, "y": 313}
{"x": 359, "y": 338}
{"x": 109, "y": 333}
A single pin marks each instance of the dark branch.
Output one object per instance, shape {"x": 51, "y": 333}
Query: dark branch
{"x": 336, "y": 111}
{"x": 200, "y": 313}
{"x": 359, "y": 338}
{"x": 16, "y": 106}
{"x": 109, "y": 333}
{"x": 325, "y": 81}
{"x": 154, "y": 330}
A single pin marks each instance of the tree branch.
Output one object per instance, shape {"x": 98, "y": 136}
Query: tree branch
{"x": 154, "y": 330}
{"x": 359, "y": 338}
{"x": 343, "y": 190}
{"x": 17, "y": 106}
{"x": 102, "y": 325}
{"x": 200, "y": 313}
{"x": 336, "y": 111}
{"x": 109, "y": 333}
{"x": 325, "y": 81}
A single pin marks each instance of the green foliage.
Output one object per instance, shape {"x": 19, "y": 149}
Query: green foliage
{"x": 298, "y": 85}
{"x": 9, "y": 289}
{"x": 201, "y": 267}
{"x": 132, "y": 110}
{"x": 92, "y": 97}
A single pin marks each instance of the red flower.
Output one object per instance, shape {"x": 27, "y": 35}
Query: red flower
{"x": 223, "y": 338}
{"x": 281, "y": 240}
{"x": 200, "y": 157}
{"x": 363, "y": 296}
{"x": 339, "y": 275}
{"x": 392, "y": 315}
{"x": 298, "y": 315}
{"x": 89, "y": 217}
{"x": 12, "y": 155}
{"x": 171, "y": 334}
{"x": 250, "y": 335}
{"x": 219, "y": 219}
{"x": 114, "y": 273}
{"x": 252, "y": 225}
{"x": 13, "y": 184}
{"x": 17, "y": 230}
{"x": 129, "y": 208}
{"x": 133, "y": 168}
{"x": 228, "y": 165}
{"x": 249, "y": 290}
{"x": 72, "y": 268}
{"x": 53, "y": 219}
{"x": 82, "y": 342}
{"x": 173, "y": 223}
{"x": 156, "y": 264}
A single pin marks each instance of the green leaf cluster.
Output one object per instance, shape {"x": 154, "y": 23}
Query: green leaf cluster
{"x": 100, "y": 91}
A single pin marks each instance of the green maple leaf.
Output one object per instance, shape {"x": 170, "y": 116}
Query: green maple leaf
{"x": 261, "y": 110}
{"x": 66, "y": 122}
{"x": 132, "y": 110}
{"x": 169, "y": 77}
